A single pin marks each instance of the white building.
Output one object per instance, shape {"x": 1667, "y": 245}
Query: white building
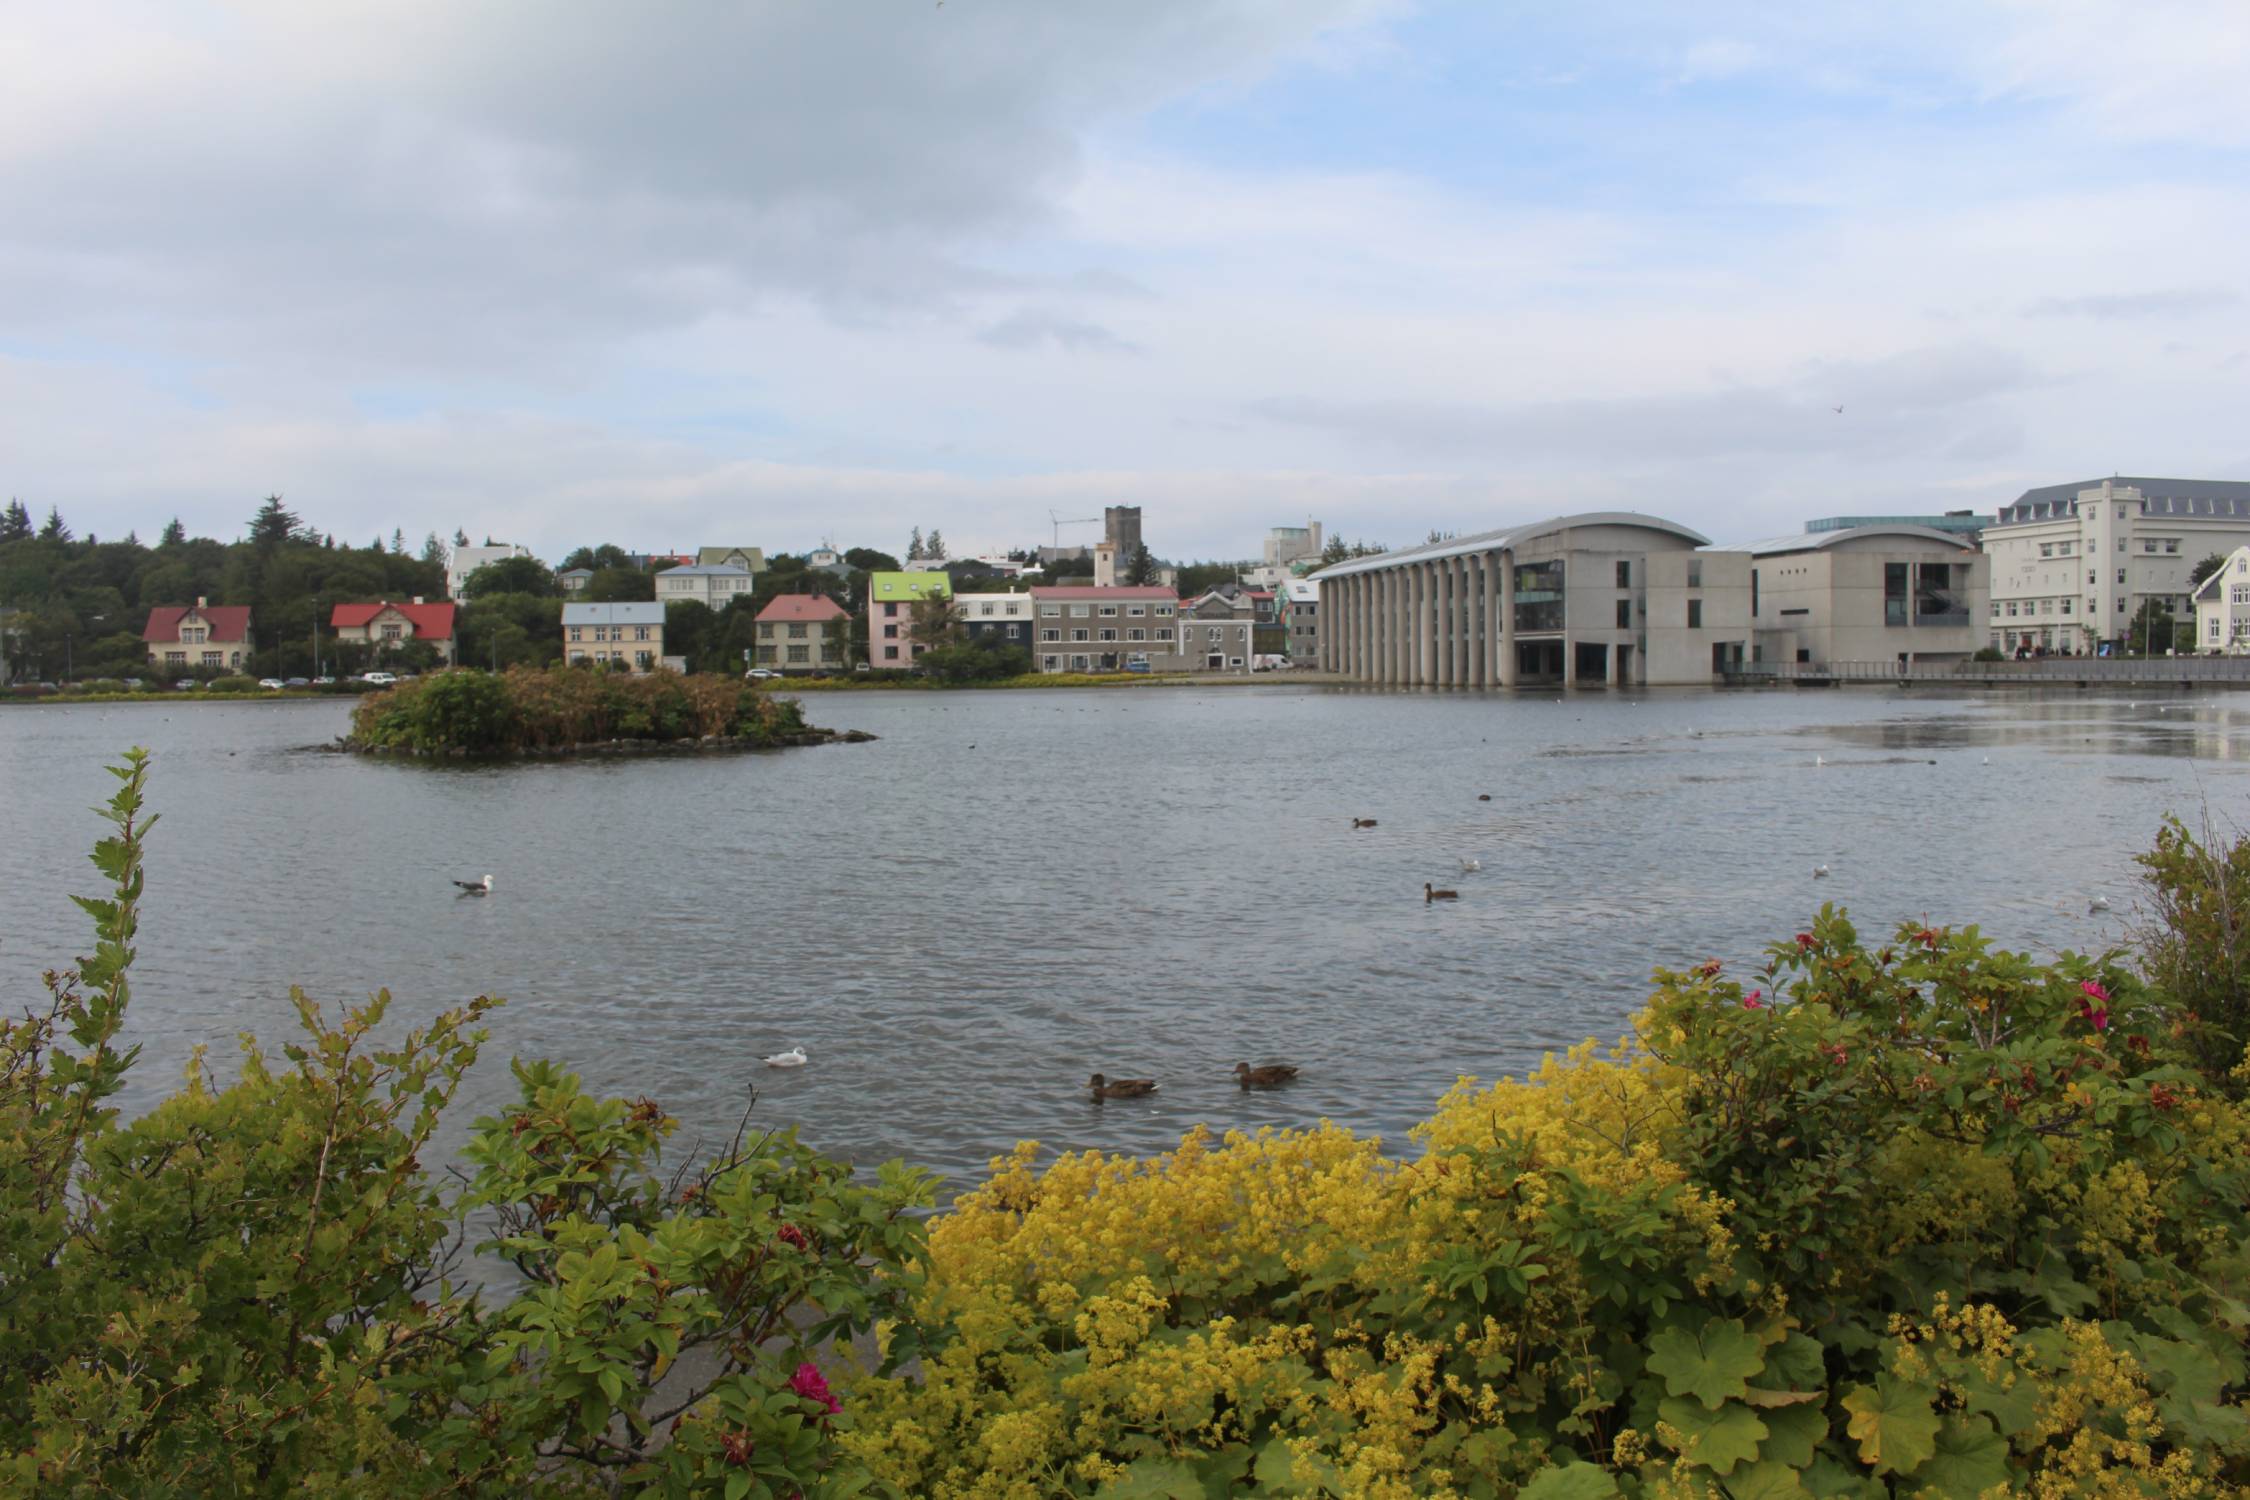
{"x": 2076, "y": 564}
{"x": 467, "y": 560}
{"x": 715, "y": 584}
{"x": 1608, "y": 596}
{"x": 1300, "y": 616}
{"x": 632, "y": 633}
{"x": 1884, "y": 592}
{"x": 2222, "y": 607}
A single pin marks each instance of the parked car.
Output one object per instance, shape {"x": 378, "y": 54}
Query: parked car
{"x": 271, "y": 684}
{"x": 133, "y": 684}
{"x": 299, "y": 682}
{"x": 324, "y": 682}
{"x": 185, "y": 684}
{"x": 380, "y": 679}
{"x": 760, "y": 674}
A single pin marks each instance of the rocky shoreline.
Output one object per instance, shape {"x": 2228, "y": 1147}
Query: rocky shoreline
{"x": 710, "y": 744}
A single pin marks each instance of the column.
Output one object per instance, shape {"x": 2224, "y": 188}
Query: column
{"x": 1394, "y": 626}
{"x": 1441, "y": 622}
{"x": 1464, "y": 624}
{"x": 1425, "y": 625}
{"x": 1456, "y": 649}
{"x": 1507, "y": 562}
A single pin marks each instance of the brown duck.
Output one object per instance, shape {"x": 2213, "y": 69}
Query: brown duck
{"x": 1263, "y": 1078}
{"x": 1122, "y": 1088}
{"x": 1432, "y": 893}
{"x": 1363, "y": 822}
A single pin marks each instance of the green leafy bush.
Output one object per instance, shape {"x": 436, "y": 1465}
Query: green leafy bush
{"x": 248, "y": 1290}
{"x": 529, "y": 708}
{"x": 232, "y": 685}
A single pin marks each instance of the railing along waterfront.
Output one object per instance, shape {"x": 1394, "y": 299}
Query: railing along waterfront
{"x": 2213, "y": 671}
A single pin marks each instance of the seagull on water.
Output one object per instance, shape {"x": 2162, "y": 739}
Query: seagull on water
{"x": 1820, "y": 872}
{"x": 475, "y": 887}
{"x": 1820, "y": 760}
{"x": 793, "y": 1058}
{"x": 1471, "y": 866}
{"x": 2097, "y": 906}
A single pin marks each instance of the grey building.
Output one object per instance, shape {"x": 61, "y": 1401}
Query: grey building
{"x": 1216, "y": 634}
{"x": 1121, "y": 528}
{"x": 1300, "y": 612}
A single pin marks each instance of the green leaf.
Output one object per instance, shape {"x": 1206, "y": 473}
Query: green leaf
{"x": 1765, "y": 1480}
{"x": 1792, "y": 1433}
{"x": 1892, "y": 1423}
{"x": 1797, "y": 1363}
{"x": 1716, "y": 1439}
{"x": 1970, "y": 1459}
{"x": 2012, "y": 1408}
{"x": 1576, "y": 1480}
{"x": 1713, "y": 1366}
{"x": 1154, "y": 1479}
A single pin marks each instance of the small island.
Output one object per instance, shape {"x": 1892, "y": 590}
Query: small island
{"x": 563, "y": 711}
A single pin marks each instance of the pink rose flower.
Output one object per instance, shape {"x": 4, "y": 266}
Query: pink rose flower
{"x": 1755, "y": 1000}
{"x": 790, "y": 1234}
{"x": 808, "y": 1383}
{"x": 2095, "y": 992}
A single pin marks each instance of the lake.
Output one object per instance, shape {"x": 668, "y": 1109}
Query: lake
{"x": 1011, "y": 890}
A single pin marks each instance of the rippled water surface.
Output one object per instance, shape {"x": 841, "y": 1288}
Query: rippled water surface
{"x": 1009, "y": 891}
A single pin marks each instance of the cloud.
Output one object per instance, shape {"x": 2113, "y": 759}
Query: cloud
{"x": 2168, "y": 304}
{"x": 1033, "y": 328}
{"x": 1717, "y": 59}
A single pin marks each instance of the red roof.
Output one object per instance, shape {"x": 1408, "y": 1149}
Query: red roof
{"x": 431, "y": 622}
{"x": 1121, "y": 591}
{"x": 802, "y": 609}
{"x": 228, "y": 622}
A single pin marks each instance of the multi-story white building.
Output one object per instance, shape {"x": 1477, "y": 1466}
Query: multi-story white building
{"x": 631, "y": 634}
{"x": 466, "y": 560}
{"x": 715, "y": 584}
{"x": 2075, "y": 564}
{"x": 1881, "y": 592}
{"x": 2222, "y": 607}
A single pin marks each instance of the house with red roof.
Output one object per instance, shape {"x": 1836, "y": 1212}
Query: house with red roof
{"x": 386, "y": 625}
{"x": 803, "y": 633}
{"x": 1097, "y": 628}
{"x": 202, "y": 636}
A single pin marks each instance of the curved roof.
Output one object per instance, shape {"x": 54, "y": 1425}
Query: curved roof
{"x": 1814, "y": 541}
{"x": 1506, "y": 538}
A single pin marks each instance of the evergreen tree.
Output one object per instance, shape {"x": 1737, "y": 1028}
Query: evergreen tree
{"x": 1142, "y": 569}
{"x": 1335, "y": 551}
{"x": 2201, "y": 571}
{"x": 274, "y": 524}
{"x": 934, "y": 548}
{"x": 15, "y": 522}
{"x": 54, "y": 530}
{"x": 398, "y": 542}
{"x": 914, "y": 548}
{"x": 433, "y": 549}
{"x": 174, "y": 534}
{"x": 460, "y": 537}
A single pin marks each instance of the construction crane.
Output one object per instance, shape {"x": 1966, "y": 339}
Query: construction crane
{"x": 1061, "y": 521}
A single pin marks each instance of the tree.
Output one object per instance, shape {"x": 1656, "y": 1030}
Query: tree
{"x": 1142, "y": 569}
{"x": 914, "y": 549}
{"x": 173, "y": 535}
{"x": 510, "y": 575}
{"x": 15, "y": 523}
{"x": 934, "y": 548}
{"x": 2203, "y": 570}
{"x": 932, "y": 622}
{"x": 398, "y": 542}
{"x": 54, "y": 530}
{"x": 274, "y": 524}
{"x": 460, "y": 537}
{"x": 1334, "y": 552}
{"x": 594, "y": 559}
{"x": 433, "y": 549}
{"x": 618, "y": 586}
{"x": 868, "y": 560}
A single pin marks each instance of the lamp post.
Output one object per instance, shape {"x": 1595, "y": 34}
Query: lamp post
{"x": 316, "y": 635}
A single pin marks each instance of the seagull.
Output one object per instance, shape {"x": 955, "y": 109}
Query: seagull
{"x": 1820, "y": 872}
{"x": 475, "y": 887}
{"x": 1838, "y": 410}
{"x": 793, "y": 1058}
{"x": 1471, "y": 866}
{"x": 1986, "y": 761}
{"x": 2097, "y": 906}
{"x": 1820, "y": 760}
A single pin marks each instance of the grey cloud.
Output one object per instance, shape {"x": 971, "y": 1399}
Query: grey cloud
{"x": 1034, "y": 329}
{"x": 1916, "y": 400}
{"x": 2166, "y": 304}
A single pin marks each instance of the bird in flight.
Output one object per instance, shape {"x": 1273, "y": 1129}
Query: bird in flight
{"x": 1838, "y": 410}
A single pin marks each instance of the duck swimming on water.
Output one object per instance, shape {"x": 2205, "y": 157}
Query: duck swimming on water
{"x": 1432, "y": 893}
{"x": 1122, "y": 1088}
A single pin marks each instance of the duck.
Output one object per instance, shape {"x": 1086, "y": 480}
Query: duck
{"x": 1432, "y": 893}
{"x": 1363, "y": 822}
{"x": 2097, "y": 906}
{"x": 1471, "y": 866}
{"x": 793, "y": 1058}
{"x": 1122, "y": 1088}
{"x": 1265, "y": 1077}
{"x": 1820, "y": 872}
{"x": 1484, "y": 796}
{"x": 475, "y": 887}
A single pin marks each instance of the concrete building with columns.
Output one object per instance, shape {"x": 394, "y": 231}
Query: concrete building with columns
{"x": 1605, "y": 597}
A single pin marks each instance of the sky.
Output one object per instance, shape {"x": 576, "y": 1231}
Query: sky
{"x": 780, "y": 272}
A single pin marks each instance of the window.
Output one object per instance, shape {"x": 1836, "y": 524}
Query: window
{"x": 175, "y": 658}
{"x": 1136, "y": 610}
{"x": 800, "y": 654}
{"x": 1894, "y": 594}
{"x": 2172, "y": 544}
{"x": 2121, "y": 513}
{"x": 2121, "y": 544}
{"x": 574, "y": 633}
{"x": 1014, "y": 608}
{"x": 1050, "y": 635}
{"x": 2213, "y": 632}
{"x": 1014, "y": 631}
{"x": 2046, "y": 549}
{"x": 640, "y": 633}
{"x": 1109, "y": 611}
{"x": 890, "y": 653}
{"x": 1624, "y": 575}
{"x": 1078, "y": 664}
{"x": 1078, "y": 633}
{"x": 1050, "y": 611}
{"x": 1695, "y": 573}
{"x": 2089, "y": 576}
{"x": 1164, "y": 611}
{"x": 2011, "y": 608}
{"x": 2121, "y": 576}
{"x": 985, "y": 608}
{"x": 890, "y": 611}
{"x": 211, "y": 658}
{"x": 1695, "y": 614}
{"x": 1108, "y": 633}
{"x": 890, "y": 632}
{"x": 1081, "y": 611}
{"x": 2148, "y": 544}
{"x": 1624, "y": 611}
{"x": 1996, "y": 609}
{"x": 796, "y": 632}
{"x": 1136, "y": 634}
{"x": 2066, "y": 606}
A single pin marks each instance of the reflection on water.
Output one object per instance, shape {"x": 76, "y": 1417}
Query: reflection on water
{"x": 1010, "y": 891}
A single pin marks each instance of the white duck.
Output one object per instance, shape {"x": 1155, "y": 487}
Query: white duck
{"x": 793, "y": 1058}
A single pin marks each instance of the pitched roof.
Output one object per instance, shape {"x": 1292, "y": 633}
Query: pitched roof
{"x": 802, "y": 609}
{"x": 2206, "y": 498}
{"x": 706, "y": 570}
{"x": 754, "y": 558}
{"x": 898, "y": 587}
{"x": 228, "y": 622}
{"x": 623, "y": 612}
{"x": 431, "y": 622}
{"x": 2208, "y": 590}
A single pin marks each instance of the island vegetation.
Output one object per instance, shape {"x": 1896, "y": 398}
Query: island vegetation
{"x": 532, "y": 711}
{"x": 1903, "y": 1216}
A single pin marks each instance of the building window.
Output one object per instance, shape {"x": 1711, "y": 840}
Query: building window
{"x": 890, "y": 611}
{"x": 574, "y": 635}
{"x": 2172, "y": 544}
{"x": 2011, "y": 609}
{"x": 1624, "y": 575}
{"x": 2046, "y": 549}
{"x": 796, "y": 632}
{"x": 1695, "y": 614}
{"x": 2121, "y": 544}
{"x": 1050, "y": 635}
{"x": 800, "y": 653}
{"x": 1014, "y": 631}
{"x": 1136, "y": 634}
{"x": 1109, "y": 611}
{"x": 1079, "y": 633}
{"x": 2089, "y": 577}
{"x": 640, "y": 633}
{"x": 1695, "y": 573}
{"x": 2120, "y": 576}
{"x": 2121, "y": 606}
{"x": 175, "y": 658}
{"x": 1136, "y": 610}
{"x": 1996, "y": 609}
{"x": 1050, "y": 611}
{"x": 890, "y": 653}
{"x": 1081, "y": 611}
{"x": 2066, "y": 606}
